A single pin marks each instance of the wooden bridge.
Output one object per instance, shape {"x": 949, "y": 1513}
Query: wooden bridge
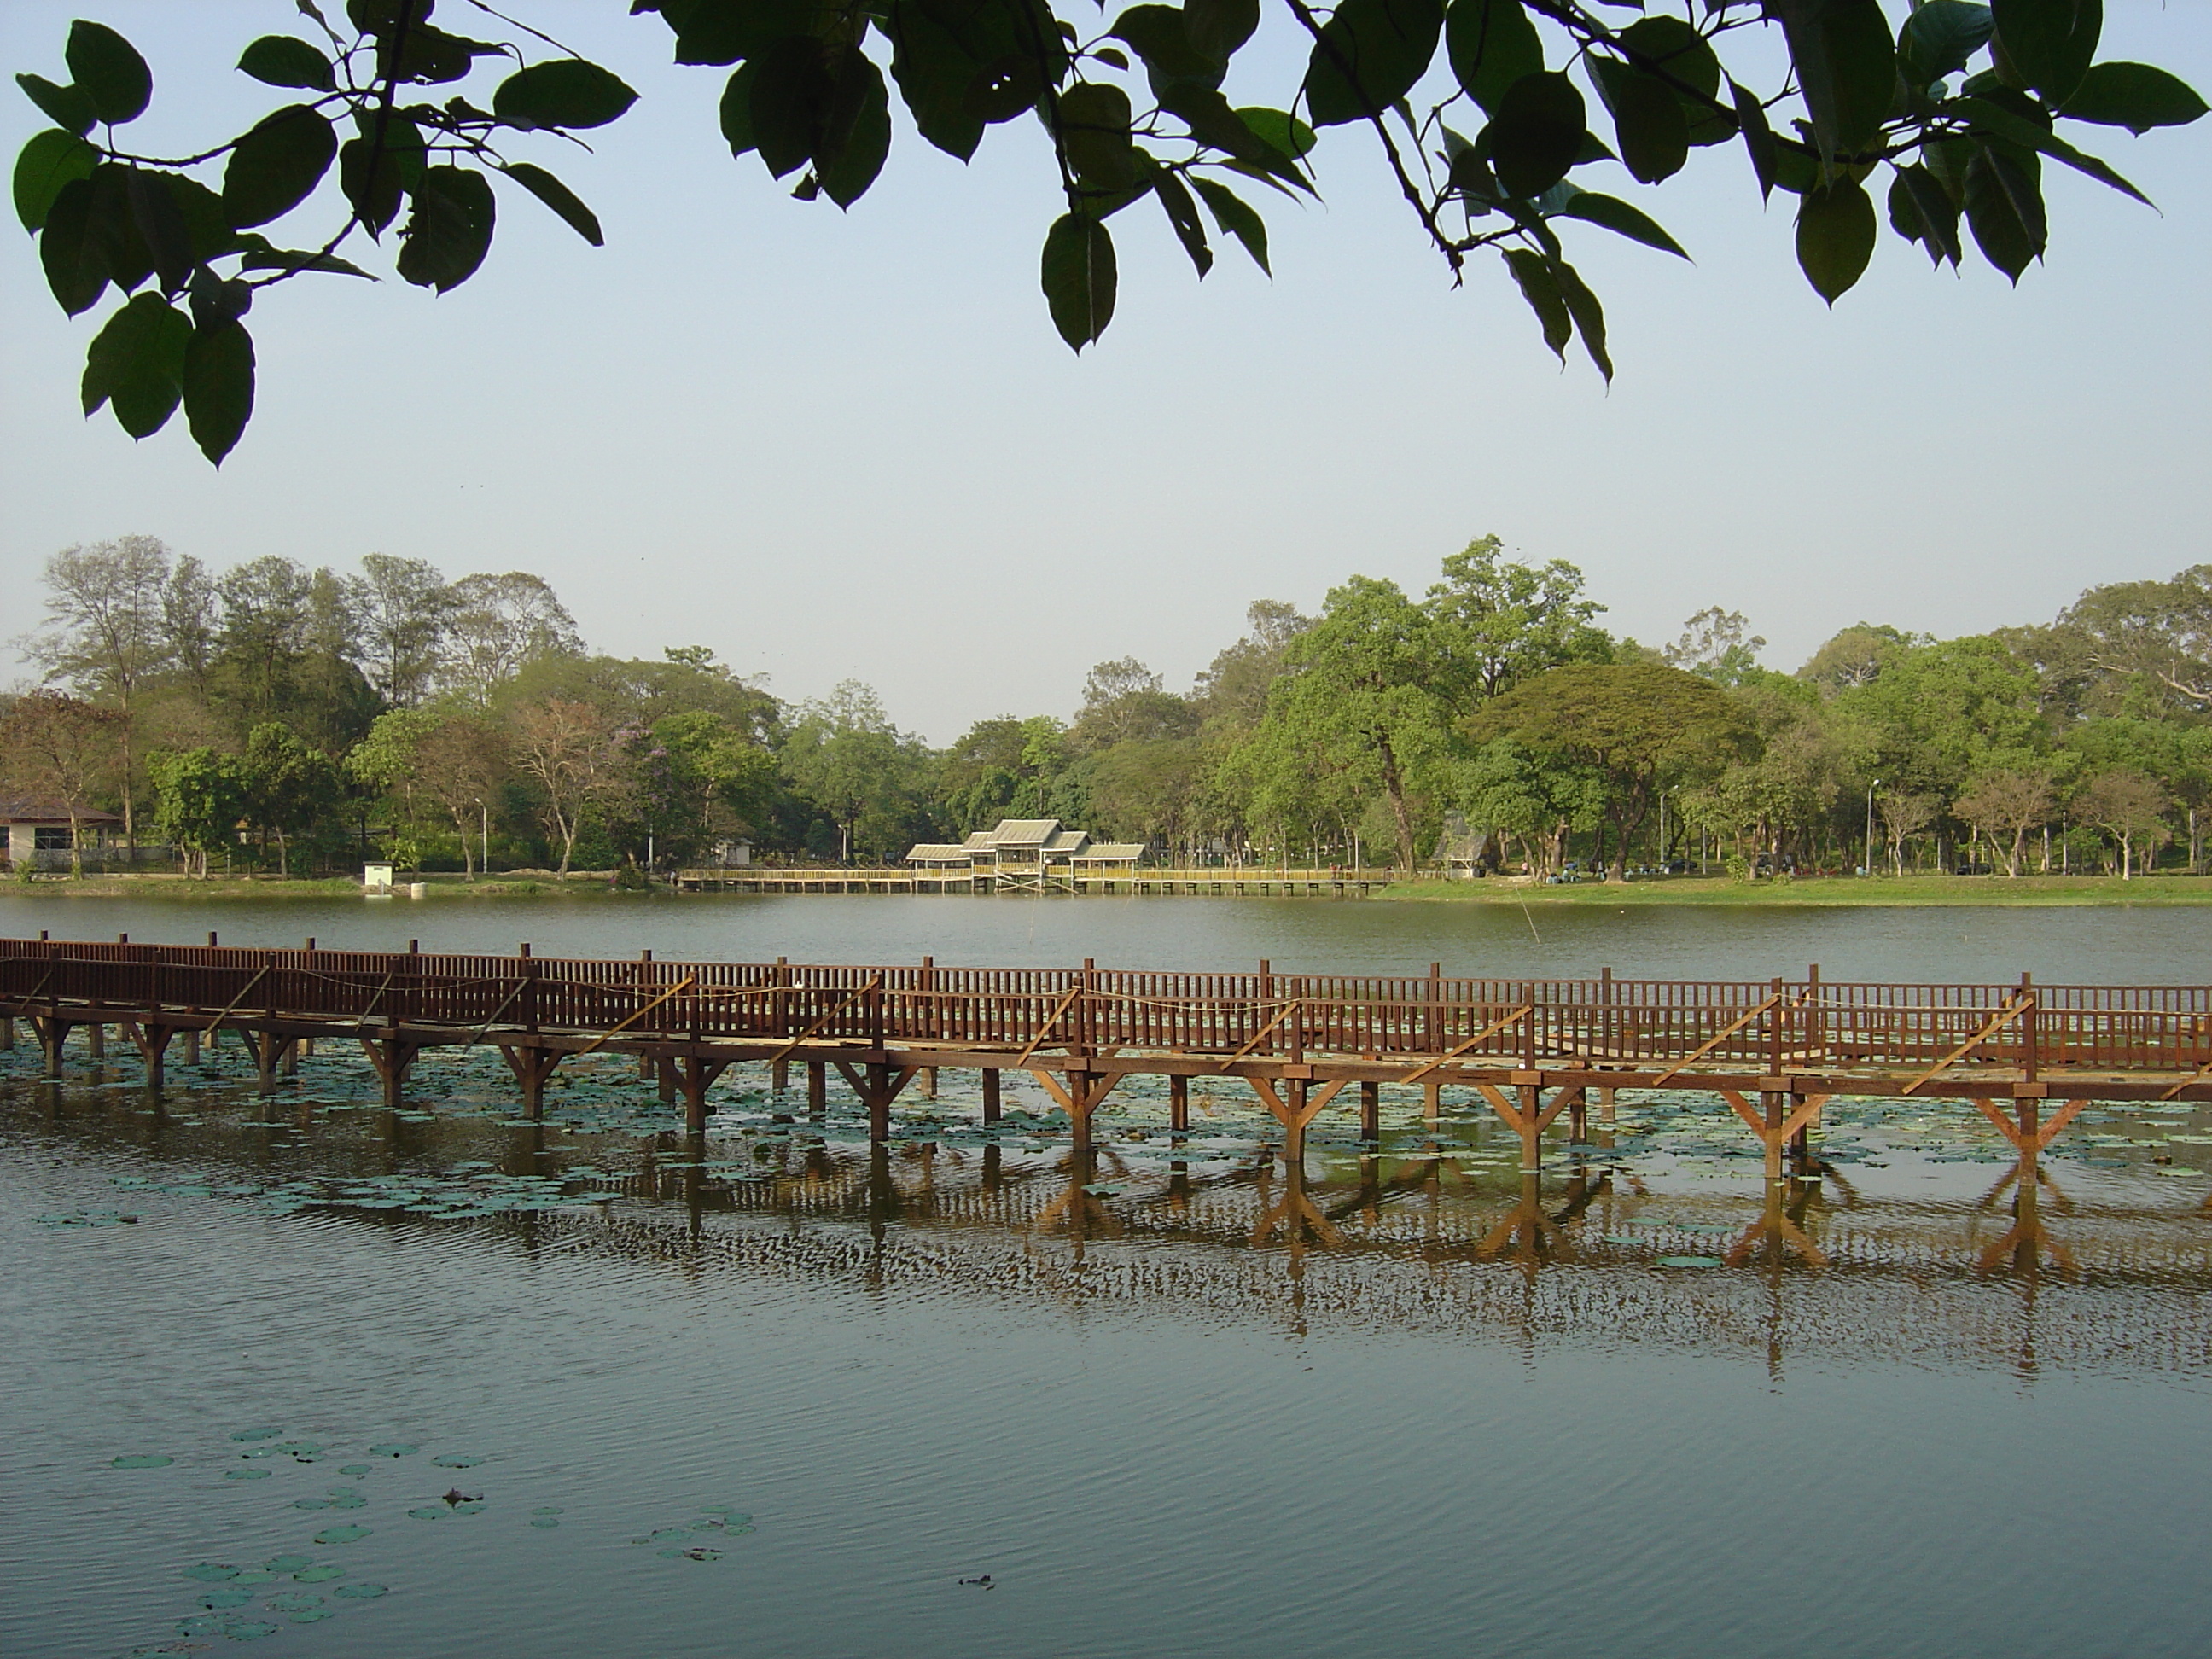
{"x": 1224, "y": 881}
{"x": 2029, "y": 1056}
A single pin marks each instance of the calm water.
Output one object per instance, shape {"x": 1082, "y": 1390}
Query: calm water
{"x": 1178, "y": 1401}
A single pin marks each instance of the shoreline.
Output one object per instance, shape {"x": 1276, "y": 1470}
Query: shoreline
{"x": 1838, "y": 892}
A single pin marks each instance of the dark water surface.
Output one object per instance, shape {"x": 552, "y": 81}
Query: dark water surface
{"x": 1178, "y": 1400}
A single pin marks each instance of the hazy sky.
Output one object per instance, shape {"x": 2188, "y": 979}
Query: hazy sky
{"x": 833, "y": 445}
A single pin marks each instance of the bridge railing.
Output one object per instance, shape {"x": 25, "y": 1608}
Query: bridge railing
{"x": 1765, "y": 1024}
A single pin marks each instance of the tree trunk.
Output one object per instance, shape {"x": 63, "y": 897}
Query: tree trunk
{"x": 129, "y": 818}
{"x": 566, "y": 830}
{"x": 1394, "y": 785}
{"x": 283, "y": 854}
{"x": 76, "y": 847}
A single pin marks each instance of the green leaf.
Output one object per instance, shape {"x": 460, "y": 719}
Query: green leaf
{"x": 1935, "y": 213}
{"x": 285, "y": 60}
{"x": 1005, "y": 88}
{"x": 1589, "y": 315}
{"x": 1211, "y": 121}
{"x": 792, "y": 92}
{"x": 1537, "y": 133}
{"x": 1182, "y": 216}
{"x": 858, "y": 140}
{"x": 1992, "y": 117}
{"x": 1159, "y": 35}
{"x": 1284, "y": 131}
{"x": 724, "y": 30}
{"x": 206, "y": 224}
{"x": 1369, "y": 56}
{"x": 1846, "y": 65}
{"x": 70, "y": 252}
{"x": 449, "y": 231}
{"x": 1235, "y": 216}
{"x": 565, "y": 93}
{"x": 49, "y": 161}
{"x": 1077, "y": 277}
{"x": 277, "y": 258}
{"x": 374, "y": 192}
{"x": 1939, "y": 37}
{"x": 1219, "y": 28}
{"x": 111, "y": 222}
{"x": 68, "y": 108}
{"x": 1491, "y": 43}
{"x": 1836, "y": 232}
{"x": 110, "y": 71}
{"x": 737, "y": 109}
{"x": 218, "y": 300}
{"x": 1619, "y": 217}
{"x": 1648, "y": 120}
{"x": 558, "y": 196}
{"x": 2004, "y": 209}
{"x": 161, "y": 225}
{"x": 429, "y": 56}
{"x": 933, "y": 65}
{"x": 1094, "y": 130}
{"x": 2136, "y": 96}
{"x": 2050, "y": 43}
{"x": 136, "y": 362}
{"x": 277, "y": 165}
{"x": 1542, "y": 290}
{"x": 218, "y": 387}
{"x": 1758, "y": 138}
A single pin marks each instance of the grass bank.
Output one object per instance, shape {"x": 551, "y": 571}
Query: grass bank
{"x": 1837, "y": 891}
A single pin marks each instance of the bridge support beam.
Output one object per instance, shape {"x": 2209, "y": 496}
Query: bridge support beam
{"x": 1778, "y": 1118}
{"x": 1527, "y": 1117}
{"x": 152, "y": 1042}
{"x": 991, "y": 1094}
{"x": 878, "y": 1085}
{"x": 1370, "y": 1111}
{"x": 697, "y": 1075}
{"x": 53, "y": 1032}
{"x": 392, "y": 1056}
{"x": 533, "y": 1068}
{"x": 1300, "y": 1103}
{"x": 1083, "y": 1095}
{"x": 818, "y": 1088}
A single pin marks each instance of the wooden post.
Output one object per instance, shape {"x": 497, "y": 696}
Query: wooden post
{"x": 879, "y": 1102}
{"x": 1432, "y": 1104}
{"x": 1578, "y": 1117}
{"x": 7, "y": 1032}
{"x": 663, "y": 1072}
{"x": 1294, "y": 1125}
{"x": 1532, "y": 1130}
{"x": 928, "y": 1079}
{"x": 779, "y": 1075}
{"x": 1770, "y": 1100}
{"x": 1370, "y": 1111}
{"x": 95, "y": 1040}
{"x": 191, "y": 1034}
{"x": 1079, "y": 1116}
{"x": 990, "y": 1094}
{"x": 1179, "y": 1104}
{"x": 818, "y": 1088}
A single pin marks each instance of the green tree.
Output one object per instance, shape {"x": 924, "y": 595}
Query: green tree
{"x": 61, "y": 750}
{"x": 199, "y": 796}
{"x": 1638, "y": 726}
{"x": 2129, "y": 806}
{"x": 1496, "y": 624}
{"x": 1716, "y": 645}
{"x": 845, "y": 757}
{"x": 287, "y": 787}
{"x": 1950, "y": 110}
{"x": 1358, "y": 713}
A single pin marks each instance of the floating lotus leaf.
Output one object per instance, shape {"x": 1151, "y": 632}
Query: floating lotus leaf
{"x": 226, "y": 1595}
{"x": 249, "y": 1630}
{"x": 1690, "y": 1261}
{"x": 141, "y": 1460}
{"x": 255, "y": 1576}
{"x": 344, "y": 1534}
{"x": 468, "y": 1506}
{"x": 210, "y": 1572}
{"x": 456, "y": 1461}
{"x": 347, "y": 1500}
{"x": 543, "y": 1523}
{"x": 394, "y": 1450}
{"x": 321, "y": 1572}
{"x": 292, "y": 1602}
{"x": 289, "y": 1563}
{"x": 355, "y": 1469}
{"x": 245, "y": 1474}
{"x": 362, "y": 1592}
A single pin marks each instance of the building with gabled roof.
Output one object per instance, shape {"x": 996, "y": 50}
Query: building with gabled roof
{"x": 1035, "y": 844}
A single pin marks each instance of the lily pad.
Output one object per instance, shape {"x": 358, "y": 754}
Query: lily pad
{"x": 292, "y": 1602}
{"x": 456, "y": 1461}
{"x": 362, "y": 1592}
{"x": 342, "y": 1535}
{"x": 210, "y": 1572}
{"x": 310, "y": 1503}
{"x": 695, "y": 1554}
{"x": 289, "y": 1563}
{"x": 314, "y": 1615}
{"x": 426, "y": 1515}
{"x": 321, "y": 1572}
{"x": 353, "y": 1469}
{"x": 394, "y": 1450}
{"x": 142, "y": 1460}
{"x": 226, "y": 1595}
{"x": 1690, "y": 1261}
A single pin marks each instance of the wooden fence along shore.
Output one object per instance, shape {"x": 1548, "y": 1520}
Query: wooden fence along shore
{"x": 2029, "y": 1056}
{"x": 1241, "y": 881}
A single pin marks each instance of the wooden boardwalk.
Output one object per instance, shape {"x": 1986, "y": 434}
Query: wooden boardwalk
{"x": 2029, "y": 1056}
{"x": 1250, "y": 882}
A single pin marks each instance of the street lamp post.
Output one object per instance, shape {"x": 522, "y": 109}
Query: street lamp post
{"x": 1871, "y": 788}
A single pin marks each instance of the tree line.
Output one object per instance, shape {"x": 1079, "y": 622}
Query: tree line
{"x": 278, "y": 717}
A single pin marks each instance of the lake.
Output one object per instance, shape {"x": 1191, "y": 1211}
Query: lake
{"x": 356, "y": 1382}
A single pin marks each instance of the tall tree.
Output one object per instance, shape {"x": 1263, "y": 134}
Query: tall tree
{"x": 60, "y": 751}
{"x": 1638, "y": 725}
{"x": 1499, "y": 623}
{"x": 2003, "y": 804}
{"x": 844, "y": 755}
{"x": 107, "y": 633}
{"x": 496, "y": 626}
{"x": 403, "y": 606}
{"x": 1718, "y": 646}
{"x": 199, "y": 795}
{"x": 2129, "y": 807}
{"x": 577, "y": 758}
{"x": 288, "y": 786}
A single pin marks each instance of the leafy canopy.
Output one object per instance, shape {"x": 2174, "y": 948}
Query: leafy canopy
{"x": 1490, "y": 115}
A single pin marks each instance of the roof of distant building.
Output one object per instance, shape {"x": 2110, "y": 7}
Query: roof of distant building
{"x": 37, "y": 809}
